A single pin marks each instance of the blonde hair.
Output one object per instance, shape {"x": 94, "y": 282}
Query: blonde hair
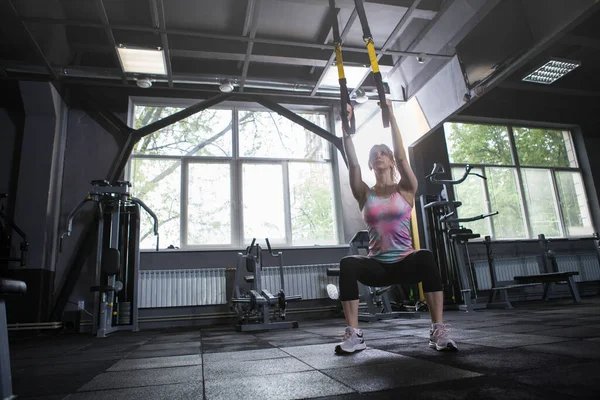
{"x": 390, "y": 154}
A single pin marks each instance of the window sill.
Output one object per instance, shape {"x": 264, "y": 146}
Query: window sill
{"x": 237, "y": 249}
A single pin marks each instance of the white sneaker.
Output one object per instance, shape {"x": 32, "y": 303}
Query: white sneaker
{"x": 439, "y": 338}
{"x": 332, "y": 292}
{"x": 353, "y": 341}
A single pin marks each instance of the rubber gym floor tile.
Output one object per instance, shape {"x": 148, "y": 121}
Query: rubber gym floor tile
{"x": 164, "y": 353}
{"x": 586, "y": 349}
{"x": 421, "y": 349}
{"x": 108, "y": 349}
{"x": 509, "y": 340}
{"x": 323, "y": 356}
{"x": 54, "y": 379}
{"x": 231, "y": 338}
{"x": 47, "y": 351}
{"x": 156, "y": 362}
{"x": 585, "y": 331}
{"x": 299, "y": 385}
{"x": 237, "y": 356}
{"x": 69, "y": 359}
{"x": 465, "y": 389}
{"x": 224, "y": 347}
{"x": 287, "y": 334}
{"x": 579, "y": 380}
{"x": 169, "y": 346}
{"x": 313, "y": 339}
{"x": 402, "y": 372}
{"x": 146, "y": 377}
{"x": 226, "y": 370}
{"x": 515, "y": 328}
{"x": 184, "y": 337}
{"x": 332, "y": 330}
{"x": 180, "y": 391}
{"x": 498, "y": 362}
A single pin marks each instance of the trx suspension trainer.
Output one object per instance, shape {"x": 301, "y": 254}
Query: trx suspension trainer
{"x": 368, "y": 38}
{"x": 348, "y": 126}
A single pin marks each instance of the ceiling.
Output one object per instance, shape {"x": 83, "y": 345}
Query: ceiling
{"x": 262, "y": 45}
{"x": 581, "y": 44}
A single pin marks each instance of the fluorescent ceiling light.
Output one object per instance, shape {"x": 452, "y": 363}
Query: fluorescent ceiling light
{"x": 353, "y": 75}
{"x": 551, "y": 71}
{"x": 143, "y": 61}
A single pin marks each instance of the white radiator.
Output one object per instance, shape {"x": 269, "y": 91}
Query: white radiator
{"x": 309, "y": 281}
{"x": 182, "y": 287}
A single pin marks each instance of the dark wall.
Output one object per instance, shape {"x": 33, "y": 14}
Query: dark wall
{"x": 11, "y": 131}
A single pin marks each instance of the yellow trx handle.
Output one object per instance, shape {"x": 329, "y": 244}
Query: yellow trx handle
{"x": 339, "y": 61}
{"x": 372, "y": 55}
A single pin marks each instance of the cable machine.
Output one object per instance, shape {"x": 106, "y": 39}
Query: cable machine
{"x": 117, "y": 255}
{"x": 447, "y": 239}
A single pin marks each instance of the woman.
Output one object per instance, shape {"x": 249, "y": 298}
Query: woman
{"x": 386, "y": 209}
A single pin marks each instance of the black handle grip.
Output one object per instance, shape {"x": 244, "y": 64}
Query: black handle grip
{"x": 349, "y": 126}
{"x": 385, "y": 112}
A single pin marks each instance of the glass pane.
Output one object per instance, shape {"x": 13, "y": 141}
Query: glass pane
{"x": 541, "y": 202}
{"x": 263, "y": 202}
{"x": 312, "y": 208}
{"x": 268, "y": 134}
{"x": 504, "y": 198}
{"x": 158, "y": 184}
{"x": 206, "y": 133}
{"x": 574, "y": 203}
{"x": 477, "y": 144}
{"x": 472, "y": 195}
{"x": 209, "y": 204}
{"x": 544, "y": 147}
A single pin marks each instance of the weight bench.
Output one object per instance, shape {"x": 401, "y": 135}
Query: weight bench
{"x": 546, "y": 279}
{"x": 7, "y": 287}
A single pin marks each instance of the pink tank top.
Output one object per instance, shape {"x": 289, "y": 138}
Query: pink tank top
{"x": 388, "y": 222}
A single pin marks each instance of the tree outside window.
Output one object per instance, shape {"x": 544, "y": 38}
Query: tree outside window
{"x": 533, "y": 180}
{"x": 276, "y": 181}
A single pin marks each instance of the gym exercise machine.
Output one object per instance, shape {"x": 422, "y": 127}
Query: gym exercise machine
{"x": 375, "y": 302}
{"x": 8, "y": 288}
{"x": 7, "y": 226}
{"x": 257, "y": 308}
{"x": 448, "y": 239}
{"x": 117, "y": 255}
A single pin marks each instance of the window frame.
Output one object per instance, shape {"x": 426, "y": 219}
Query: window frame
{"x": 510, "y": 125}
{"x": 236, "y": 163}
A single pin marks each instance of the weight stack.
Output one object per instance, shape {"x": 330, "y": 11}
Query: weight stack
{"x": 124, "y": 313}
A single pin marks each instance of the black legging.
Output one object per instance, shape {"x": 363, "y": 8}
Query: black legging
{"x": 419, "y": 266}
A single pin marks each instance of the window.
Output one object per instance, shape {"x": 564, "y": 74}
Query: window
{"x": 532, "y": 180}
{"x": 224, "y": 176}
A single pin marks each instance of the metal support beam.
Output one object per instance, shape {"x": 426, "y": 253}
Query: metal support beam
{"x": 178, "y": 116}
{"x": 420, "y": 37}
{"x": 402, "y": 25}
{"x": 157, "y": 9}
{"x": 343, "y": 35}
{"x": 3, "y": 73}
{"x": 33, "y": 41}
{"x": 109, "y": 35}
{"x": 253, "y": 14}
{"x": 217, "y": 36}
{"x": 292, "y": 116}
